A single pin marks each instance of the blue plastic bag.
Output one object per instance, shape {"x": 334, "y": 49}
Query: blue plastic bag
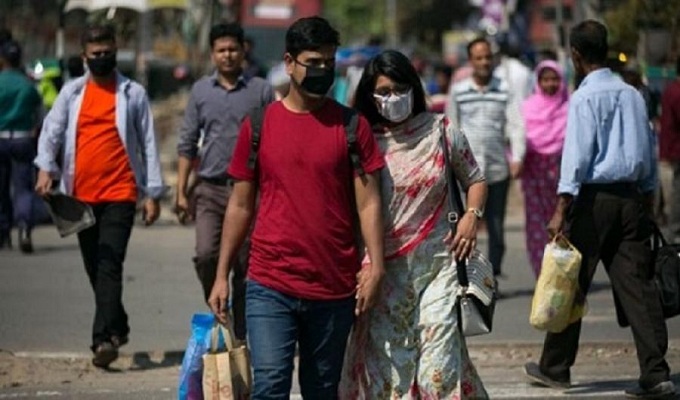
{"x": 191, "y": 374}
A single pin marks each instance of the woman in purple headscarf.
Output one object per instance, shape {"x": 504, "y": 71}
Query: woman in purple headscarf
{"x": 545, "y": 118}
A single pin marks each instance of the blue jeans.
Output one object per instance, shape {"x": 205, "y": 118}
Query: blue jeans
{"x": 495, "y": 220}
{"x": 276, "y": 322}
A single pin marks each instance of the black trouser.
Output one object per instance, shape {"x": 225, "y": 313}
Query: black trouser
{"x": 103, "y": 248}
{"x": 495, "y": 222}
{"x": 608, "y": 223}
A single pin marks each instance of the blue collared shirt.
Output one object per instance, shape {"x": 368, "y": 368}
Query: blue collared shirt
{"x": 135, "y": 127}
{"x": 608, "y": 137}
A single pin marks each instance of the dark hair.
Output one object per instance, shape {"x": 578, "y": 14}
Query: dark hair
{"x": 444, "y": 69}
{"x": 224, "y": 30}
{"x": 475, "y": 42}
{"x": 310, "y": 33}
{"x": 5, "y": 35}
{"x": 74, "y": 65}
{"x": 98, "y": 34}
{"x": 589, "y": 38}
{"x": 10, "y": 51}
{"x": 398, "y": 68}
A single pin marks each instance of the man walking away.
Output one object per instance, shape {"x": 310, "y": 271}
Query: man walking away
{"x": 608, "y": 177}
{"x": 669, "y": 147}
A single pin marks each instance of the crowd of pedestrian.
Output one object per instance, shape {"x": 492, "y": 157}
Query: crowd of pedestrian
{"x": 322, "y": 228}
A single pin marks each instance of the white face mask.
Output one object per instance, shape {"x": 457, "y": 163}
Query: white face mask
{"x": 395, "y": 107}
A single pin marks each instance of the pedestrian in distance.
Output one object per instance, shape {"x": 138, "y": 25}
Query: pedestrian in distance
{"x": 20, "y": 113}
{"x": 669, "y": 148}
{"x": 488, "y": 111}
{"x": 416, "y": 304}
{"x": 545, "y": 119}
{"x": 607, "y": 179}
{"x": 217, "y": 105}
{"x": 99, "y": 139}
{"x": 313, "y": 174}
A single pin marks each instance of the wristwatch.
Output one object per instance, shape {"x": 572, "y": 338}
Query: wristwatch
{"x": 477, "y": 212}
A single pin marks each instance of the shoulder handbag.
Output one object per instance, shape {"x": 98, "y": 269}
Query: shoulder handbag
{"x": 477, "y": 295}
{"x": 666, "y": 273}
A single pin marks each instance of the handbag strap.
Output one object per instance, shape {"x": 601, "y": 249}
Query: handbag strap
{"x": 215, "y": 337}
{"x": 657, "y": 236}
{"x": 455, "y": 201}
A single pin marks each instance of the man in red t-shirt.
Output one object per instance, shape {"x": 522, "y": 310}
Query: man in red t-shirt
{"x": 304, "y": 259}
{"x": 669, "y": 147}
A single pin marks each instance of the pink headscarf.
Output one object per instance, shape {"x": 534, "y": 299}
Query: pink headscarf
{"x": 545, "y": 116}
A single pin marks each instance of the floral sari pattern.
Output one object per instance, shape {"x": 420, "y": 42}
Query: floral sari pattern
{"x": 408, "y": 346}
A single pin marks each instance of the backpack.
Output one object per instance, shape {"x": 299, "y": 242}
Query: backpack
{"x": 350, "y": 122}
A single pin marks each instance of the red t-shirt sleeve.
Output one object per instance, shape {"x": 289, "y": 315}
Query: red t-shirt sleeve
{"x": 238, "y": 168}
{"x": 370, "y": 154}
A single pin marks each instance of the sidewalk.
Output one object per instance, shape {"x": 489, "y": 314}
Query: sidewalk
{"x": 602, "y": 370}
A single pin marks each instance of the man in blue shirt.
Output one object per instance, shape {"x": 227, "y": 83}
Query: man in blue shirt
{"x": 608, "y": 176}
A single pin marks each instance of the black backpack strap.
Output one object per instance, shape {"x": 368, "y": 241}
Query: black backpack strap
{"x": 351, "y": 122}
{"x": 256, "y": 119}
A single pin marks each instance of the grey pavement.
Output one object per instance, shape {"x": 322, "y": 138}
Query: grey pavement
{"x": 46, "y": 309}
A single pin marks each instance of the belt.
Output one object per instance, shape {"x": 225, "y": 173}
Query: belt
{"x": 617, "y": 188}
{"x": 221, "y": 181}
{"x": 11, "y": 134}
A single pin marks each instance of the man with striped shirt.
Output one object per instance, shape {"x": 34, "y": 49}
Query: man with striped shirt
{"x": 488, "y": 112}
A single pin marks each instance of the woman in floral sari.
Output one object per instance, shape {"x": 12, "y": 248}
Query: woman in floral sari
{"x": 409, "y": 345}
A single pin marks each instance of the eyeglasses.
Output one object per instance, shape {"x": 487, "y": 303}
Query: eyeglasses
{"x": 314, "y": 63}
{"x": 102, "y": 53}
{"x": 397, "y": 90}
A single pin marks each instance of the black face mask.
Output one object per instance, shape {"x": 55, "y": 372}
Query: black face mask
{"x": 102, "y": 66}
{"x": 317, "y": 81}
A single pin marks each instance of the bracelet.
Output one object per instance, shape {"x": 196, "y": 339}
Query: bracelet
{"x": 477, "y": 212}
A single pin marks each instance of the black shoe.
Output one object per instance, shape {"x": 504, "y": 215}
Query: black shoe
{"x": 104, "y": 354}
{"x": 5, "y": 240}
{"x": 25, "y": 243}
{"x": 663, "y": 390}
{"x": 533, "y": 372}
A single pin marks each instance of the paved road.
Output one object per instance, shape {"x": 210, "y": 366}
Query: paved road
{"x": 46, "y": 309}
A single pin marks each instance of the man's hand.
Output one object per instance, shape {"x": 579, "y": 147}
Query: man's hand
{"x": 152, "y": 210}
{"x": 515, "y": 169}
{"x": 368, "y": 288}
{"x": 218, "y": 299}
{"x": 182, "y": 208}
{"x": 556, "y": 223}
{"x": 44, "y": 184}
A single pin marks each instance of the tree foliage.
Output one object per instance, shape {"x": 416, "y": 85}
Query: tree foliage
{"x": 630, "y": 17}
{"x": 423, "y": 21}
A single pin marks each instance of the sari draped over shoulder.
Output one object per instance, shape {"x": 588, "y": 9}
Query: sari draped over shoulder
{"x": 413, "y": 185}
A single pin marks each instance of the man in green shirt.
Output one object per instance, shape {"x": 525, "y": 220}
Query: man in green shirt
{"x": 20, "y": 106}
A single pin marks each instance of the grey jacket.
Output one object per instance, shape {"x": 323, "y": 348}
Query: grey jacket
{"x": 135, "y": 127}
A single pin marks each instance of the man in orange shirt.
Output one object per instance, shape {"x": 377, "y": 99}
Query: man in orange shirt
{"x": 101, "y": 129}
